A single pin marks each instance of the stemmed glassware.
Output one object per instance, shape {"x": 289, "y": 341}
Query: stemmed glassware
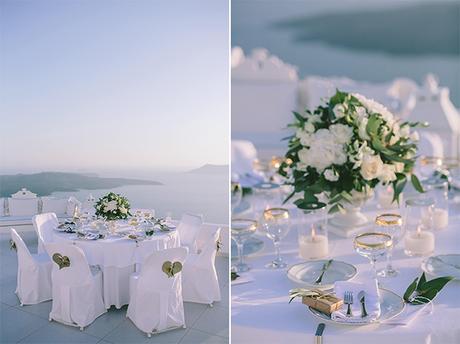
{"x": 276, "y": 224}
{"x": 372, "y": 245}
{"x": 241, "y": 230}
{"x": 390, "y": 224}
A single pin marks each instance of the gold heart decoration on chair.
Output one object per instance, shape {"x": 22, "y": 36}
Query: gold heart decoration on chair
{"x": 170, "y": 269}
{"x": 61, "y": 261}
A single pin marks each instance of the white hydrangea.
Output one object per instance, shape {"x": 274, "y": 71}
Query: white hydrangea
{"x": 374, "y": 107}
{"x": 342, "y": 133}
{"x": 362, "y": 129}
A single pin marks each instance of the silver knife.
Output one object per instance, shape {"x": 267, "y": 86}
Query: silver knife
{"x": 323, "y": 270}
{"x": 319, "y": 333}
{"x": 362, "y": 299}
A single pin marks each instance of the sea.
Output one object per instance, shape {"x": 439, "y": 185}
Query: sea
{"x": 205, "y": 194}
{"x": 330, "y": 37}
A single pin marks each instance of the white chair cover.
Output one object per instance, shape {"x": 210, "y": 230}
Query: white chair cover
{"x": 188, "y": 229}
{"x": 34, "y": 274}
{"x": 199, "y": 276}
{"x": 77, "y": 289}
{"x": 54, "y": 205}
{"x": 44, "y": 225}
{"x": 156, "y": 301}
{"x": 22, "y": 207}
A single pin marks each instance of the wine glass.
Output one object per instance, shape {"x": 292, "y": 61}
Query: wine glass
{"x": 237, "y": 194}
{"x": 390, "y": 224}
{"x": 372, "y": 245}
{"x": 276, "y": 226}
{"x": 241, "y": 230}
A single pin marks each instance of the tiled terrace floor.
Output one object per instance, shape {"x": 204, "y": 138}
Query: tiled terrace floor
{"x": 29, "y": 324}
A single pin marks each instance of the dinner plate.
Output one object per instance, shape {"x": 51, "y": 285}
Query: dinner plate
{"x": 391, "y": 305}
{"x": 443, "y": 265}
{"x": 251, "y": 246}
{"x": 305, "y": 274}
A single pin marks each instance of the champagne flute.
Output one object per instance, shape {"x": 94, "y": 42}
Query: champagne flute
{"x": 276, "y": 226}
{"x": 241, "y": 230}
{"x": 390, "y": 224}
{"x": 372, "y": 245}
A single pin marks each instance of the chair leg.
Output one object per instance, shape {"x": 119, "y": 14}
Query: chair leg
{"x": 211, "y": 305}
{"x": 21, "y": 304}
{"x": 149, "y": 335}
{"x": 82, "y": 328}
{"x": 50, "y": 320}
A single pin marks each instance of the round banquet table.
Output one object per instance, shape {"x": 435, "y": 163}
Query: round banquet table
{"x": 117, "y": 257}
{"x": 261, "y": 312}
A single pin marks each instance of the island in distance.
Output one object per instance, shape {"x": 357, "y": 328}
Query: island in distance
{"x": 210, "y": 169}
{"x": 45, "y": 183}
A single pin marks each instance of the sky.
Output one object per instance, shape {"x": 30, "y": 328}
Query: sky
{"x": 108, "y": 84}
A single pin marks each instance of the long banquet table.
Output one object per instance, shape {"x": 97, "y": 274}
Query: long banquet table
{"x": 261, "y": 312}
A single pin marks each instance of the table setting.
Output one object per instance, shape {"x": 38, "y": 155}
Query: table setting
{"x": 117, "y": 240}
{"x": 354, "y": 235}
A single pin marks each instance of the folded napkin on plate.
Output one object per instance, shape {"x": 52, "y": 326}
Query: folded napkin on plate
{"x": 371, "y": 301}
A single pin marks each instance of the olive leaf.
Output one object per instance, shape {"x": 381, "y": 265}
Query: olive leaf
{"x": 422, "y": 291}
{"x": 234, "y": 276}
{"x": 416, "y": 183}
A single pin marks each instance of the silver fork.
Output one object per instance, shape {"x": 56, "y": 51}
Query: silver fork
{"x": 348, "y": 300}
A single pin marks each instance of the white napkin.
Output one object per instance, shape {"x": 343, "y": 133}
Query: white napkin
{"x": 371, "y": 301}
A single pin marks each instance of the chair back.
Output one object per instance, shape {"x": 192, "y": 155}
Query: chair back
{"x": 209, "y": 247}
{"x": 24, "y": 256}
{"x": 44, "y": 225}
{"x": 152, "y": 275}
{"x": 70, "y": 267}
{"x": 188, "y": 228}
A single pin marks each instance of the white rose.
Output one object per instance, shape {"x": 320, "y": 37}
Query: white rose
{"x": 404, "y": 131}
{"x": 331, "y": 175}
{"x": 361, "y": 113}
{"x": 304, "y": 137}
{"x": 123, "y": 210}
{"x": 388, "y": 173}
{"x": 111, "y": 206}
{"x": 342, "y": 133}
{"x": 339, "y": 111}
{"x": 399, "y": 167}
{"x": 396, "y": 128}
{"x": 301, "y": 166}
{"x": 371, "y": 166}
{"x": 414, "y": 136}
{"x": 303, "y": 155}
{"x": 362, "y": 129}
{"x": 309, "y": 127}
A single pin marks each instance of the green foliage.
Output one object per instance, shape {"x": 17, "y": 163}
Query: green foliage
{"x": 422, "y": 291}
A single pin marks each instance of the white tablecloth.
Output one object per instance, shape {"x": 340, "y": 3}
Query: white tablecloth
{"x": 261, "y": 313}
{"x": 117, "y": 257}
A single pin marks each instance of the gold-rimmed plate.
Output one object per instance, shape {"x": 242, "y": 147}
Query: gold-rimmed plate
{"x": 391, "y": 305}
{"x": 305, "y": 274}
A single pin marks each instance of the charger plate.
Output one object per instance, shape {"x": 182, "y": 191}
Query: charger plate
{"x": 391, "y": 305}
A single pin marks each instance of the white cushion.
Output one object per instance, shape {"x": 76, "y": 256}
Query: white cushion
{"x": 53, "y": 205}
{"x": 22, "y": 207}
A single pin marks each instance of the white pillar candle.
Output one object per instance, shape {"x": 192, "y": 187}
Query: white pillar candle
{"x": 419, "y": 243}
{"x": 313, "y": 246}
{"x": 440, "y": 218}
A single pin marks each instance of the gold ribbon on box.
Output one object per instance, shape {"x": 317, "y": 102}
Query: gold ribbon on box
{"x": 317, "y": 299}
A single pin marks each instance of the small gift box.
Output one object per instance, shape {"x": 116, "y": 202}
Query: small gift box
{"x": 317, "y": 299}
{"x": 324, "y": 303}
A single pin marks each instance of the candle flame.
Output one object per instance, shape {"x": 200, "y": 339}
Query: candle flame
{"x": 313, "y": 233}
{"x": 419, "y": 230}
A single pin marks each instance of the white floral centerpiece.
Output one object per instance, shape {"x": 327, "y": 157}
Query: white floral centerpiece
{"x": 344, "y": 149}
{"x": 112, "y": 207}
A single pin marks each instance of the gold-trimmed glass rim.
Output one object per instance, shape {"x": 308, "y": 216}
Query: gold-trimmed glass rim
{"x": 384, "y": 220}
{"x": 276, "y": 214}
{"x": 250, "y": 222}
{"x": 429, "y": 160}
{"x": 386, "y": 243}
